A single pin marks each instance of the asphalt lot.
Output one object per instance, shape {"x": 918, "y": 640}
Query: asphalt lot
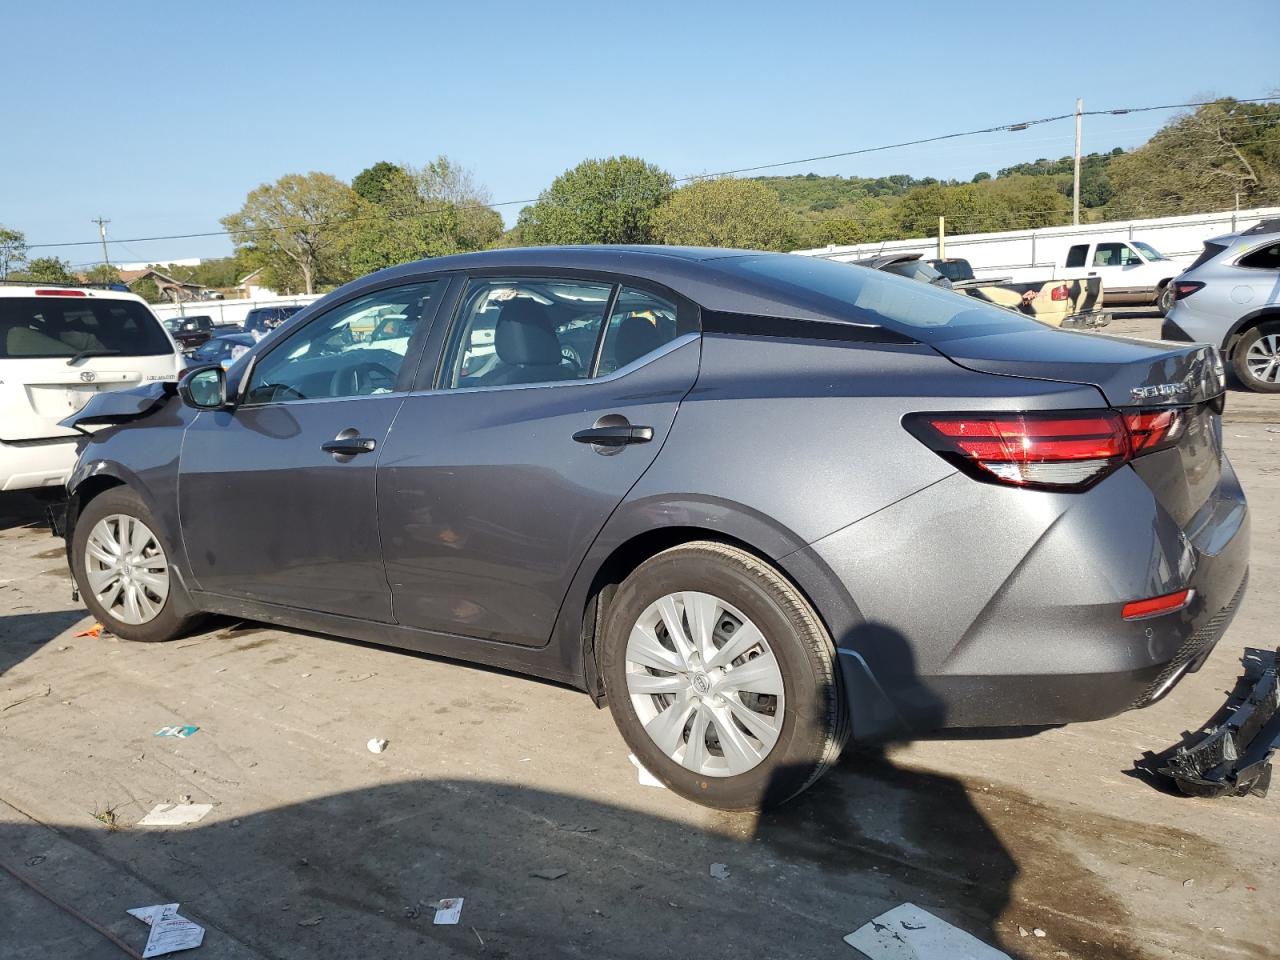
{"x": 317, "y": 848}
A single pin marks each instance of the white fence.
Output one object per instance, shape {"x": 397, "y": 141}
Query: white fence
{"x": 226, "y": 312}
{"x": 998, "y": 253}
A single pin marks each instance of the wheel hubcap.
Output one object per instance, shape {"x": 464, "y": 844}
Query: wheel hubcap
{"x": 126, "y": 569}
{"x": 1263, "y": 359}
{"x": 705, "y": 684}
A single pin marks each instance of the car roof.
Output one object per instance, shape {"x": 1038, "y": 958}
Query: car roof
{"x": 10, "y": 288}
{"x": 717, "y": 278}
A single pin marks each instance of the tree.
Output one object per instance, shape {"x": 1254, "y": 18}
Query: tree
{"x": 378, "y": 182}
{"x": 146, "y": 288}
{"x": 598, "y": 201}
{"x": 1207, "y": 159}
{"x": 443, "y": 181}
{"x": 103, "y": 273}
{"x": 724, "y": 212}
{"x": 13, "y": 250}
{"x": 46, "y": 270}
{"x": 296, "y": 229}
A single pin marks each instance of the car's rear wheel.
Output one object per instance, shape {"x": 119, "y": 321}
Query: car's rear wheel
{"x": 123, "y": 571}
{"x": 1256, "y": 358}
{"x": 721, "y": 678}
{"x": 1164, "y": 299}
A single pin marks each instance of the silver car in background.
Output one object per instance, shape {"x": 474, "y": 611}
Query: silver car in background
{"x": 1230, "y": 297}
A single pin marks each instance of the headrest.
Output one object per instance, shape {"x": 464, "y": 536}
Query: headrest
{"x": 636, "y": 337}
{"x": 524, "y": 335}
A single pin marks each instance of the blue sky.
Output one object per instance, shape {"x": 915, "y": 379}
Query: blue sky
{"x": 162, "y": 117}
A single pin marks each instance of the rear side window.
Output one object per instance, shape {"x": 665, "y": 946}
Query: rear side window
{"x": 1210, "y": 251}
{"x": 64, "y": 326}
{"x": 1076, "y": 255}
{"x": 639, "y": 324}
{"x": 1266, "y": 258}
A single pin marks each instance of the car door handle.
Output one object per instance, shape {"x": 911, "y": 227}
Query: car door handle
{"x": 349, "y": 446}
{"x": 614, "y": 436}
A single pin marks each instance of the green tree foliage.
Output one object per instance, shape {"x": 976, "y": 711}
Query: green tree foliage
{"x": 46, "y": 270}
{"x": 102, "y": 273}
{"x": 407, "y": 214}
{"x": 13, "y": 250}
{"x": 724, "y": 212}
{"x": 1204, "y": 160}
{"x": 146, "y": 288}
{"x": 297, "y": 230}
{"x": 598, "y": 201}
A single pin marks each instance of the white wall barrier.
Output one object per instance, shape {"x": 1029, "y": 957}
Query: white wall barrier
{"x": 226, "y": 312}
{"x": 993, "y": 254}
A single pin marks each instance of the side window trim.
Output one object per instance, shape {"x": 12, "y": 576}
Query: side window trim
{"x": 603, "y": 332}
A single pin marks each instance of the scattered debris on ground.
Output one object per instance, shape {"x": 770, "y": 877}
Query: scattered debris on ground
{"x": 175, "y": 814}
{"x": 548, "y": 873}
{"x": 376, "y": 745}
{"x": 719, "y": 871}
{"x": 908, "y": 932}
{"x": 176, "y": 731}
{"x": 448, "y": 910}
{"x": 21, "y": 700}
{"x": 170, "y": 931}
{"x": 647, "y": 779}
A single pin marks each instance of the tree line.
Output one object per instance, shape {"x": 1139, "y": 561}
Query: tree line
{"x": 311, "y": 232}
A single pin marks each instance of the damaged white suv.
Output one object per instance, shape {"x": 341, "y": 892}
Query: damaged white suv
{"x": 60, "y": 345}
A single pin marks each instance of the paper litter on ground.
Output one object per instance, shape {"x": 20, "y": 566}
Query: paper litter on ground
{"x": 170, "y": 931}
{"x": 176, "y": 731}
{"x": 449, "y": 910}
{"x": 646, "y": 778}
{"x": 909, "y": 933}
{"x": 175, "y": 814}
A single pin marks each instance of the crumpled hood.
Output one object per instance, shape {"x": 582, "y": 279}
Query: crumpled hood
{"x": 121, "y": 406}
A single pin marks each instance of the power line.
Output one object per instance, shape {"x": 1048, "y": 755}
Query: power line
{"x": 1006, "y": 127}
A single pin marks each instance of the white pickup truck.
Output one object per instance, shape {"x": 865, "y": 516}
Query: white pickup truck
{"x": 1132, "y": 272}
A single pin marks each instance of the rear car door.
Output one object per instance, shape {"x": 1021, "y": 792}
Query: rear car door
{"x": 551, "y": 397}
{"x": 277, "y": 495}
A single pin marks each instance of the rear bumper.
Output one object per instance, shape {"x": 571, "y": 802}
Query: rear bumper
{"x": 1091, "y": 320}
{"x": 970, "y": 605}
{"x": 36, "y": 463}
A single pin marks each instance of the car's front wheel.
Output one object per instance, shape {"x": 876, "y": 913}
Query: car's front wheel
{"x": 1256, "y": 358}
{"x": 721, "y": 678}
{"x": 123, "y": 571}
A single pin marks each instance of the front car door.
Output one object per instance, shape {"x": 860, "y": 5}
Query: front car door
{"x": 551, "y": 397}
{"x": 277, "y": 495}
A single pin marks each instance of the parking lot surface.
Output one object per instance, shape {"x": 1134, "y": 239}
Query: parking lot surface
{"x": 318, "y": 848}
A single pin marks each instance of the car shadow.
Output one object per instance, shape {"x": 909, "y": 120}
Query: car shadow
{"x": 25, "y": 509}
{"x": 23, "y": 634}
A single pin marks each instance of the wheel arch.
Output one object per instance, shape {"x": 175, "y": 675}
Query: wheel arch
{"x": 1247, "y": 323}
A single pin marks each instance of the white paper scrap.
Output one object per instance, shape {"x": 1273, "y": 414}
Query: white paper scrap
{"x": 170, "y": 931}
{"x": 175, "y": 814}
{"x": 909, "y": 933}
{"x": 647, "y": 779}
{"x": 449, "y": 910}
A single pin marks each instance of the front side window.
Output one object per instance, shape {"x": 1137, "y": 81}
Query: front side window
{"x": 1076, "y": 255}
{"x": 67, "y": 326}
{"x": 526, "y": 330}
{"x": 1115, "y": 255}
{"x": 335, "y": 355}
{"x": 639, "y": 324}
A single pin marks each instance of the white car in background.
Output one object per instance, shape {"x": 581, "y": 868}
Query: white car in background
{"x": 59, "y": 346}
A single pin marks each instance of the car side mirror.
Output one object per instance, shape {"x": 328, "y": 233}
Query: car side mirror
{"x": 204, "y": 388}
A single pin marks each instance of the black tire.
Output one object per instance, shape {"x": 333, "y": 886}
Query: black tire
{"x": 173, "y": 619}
{"x": 815, "y": 719}
{"x": 1164, "y": 299}
{"x": 1240, "y": 353}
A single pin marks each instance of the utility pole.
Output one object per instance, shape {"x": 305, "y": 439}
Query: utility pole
{"x": 102, "y": 232}
{"x": 1075, "y": 189}
{"x": 942, "y": 238}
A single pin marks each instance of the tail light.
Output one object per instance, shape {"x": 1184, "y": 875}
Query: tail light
{"x": 1049, "y": 451}
{"x": 61, "y": 293}
{"x": 1060, "y": 292}
{"x": 1155, "y": 606}
{"x": 1185, "y": 288}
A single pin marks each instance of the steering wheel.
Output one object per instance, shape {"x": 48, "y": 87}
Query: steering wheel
{"x": 361, "y": 380}
{"x": 570, "y": 356}
{"x": 274, "y": 392}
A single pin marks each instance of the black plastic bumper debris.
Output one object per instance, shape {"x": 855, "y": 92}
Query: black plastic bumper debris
{"x": 1233, "y": 757}
{"x": 56, "y": 516}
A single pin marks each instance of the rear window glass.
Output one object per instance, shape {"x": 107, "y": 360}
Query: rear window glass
{"x": 64, "y": 326}
{"x": 920, "y": 310}
{"x": 1077, "y": 254}
{"x": 1266, "y": 258}
{"x": 1210, "y": 251}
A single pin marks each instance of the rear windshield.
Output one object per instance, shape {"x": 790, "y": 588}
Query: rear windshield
{"x": 64, "y": 326}
{"x": 922, "y": 311}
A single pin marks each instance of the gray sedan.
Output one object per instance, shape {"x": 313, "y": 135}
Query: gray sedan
{"x": 763, "y": 503}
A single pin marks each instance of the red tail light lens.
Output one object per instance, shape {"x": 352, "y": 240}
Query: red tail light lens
{"x": 1185, "y": 288}
{"x": 60, "y": 293}
{"x": 1141, "y": 609}
{"x": 1060, "y": 292}
{"x": 1056, "y": 451}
